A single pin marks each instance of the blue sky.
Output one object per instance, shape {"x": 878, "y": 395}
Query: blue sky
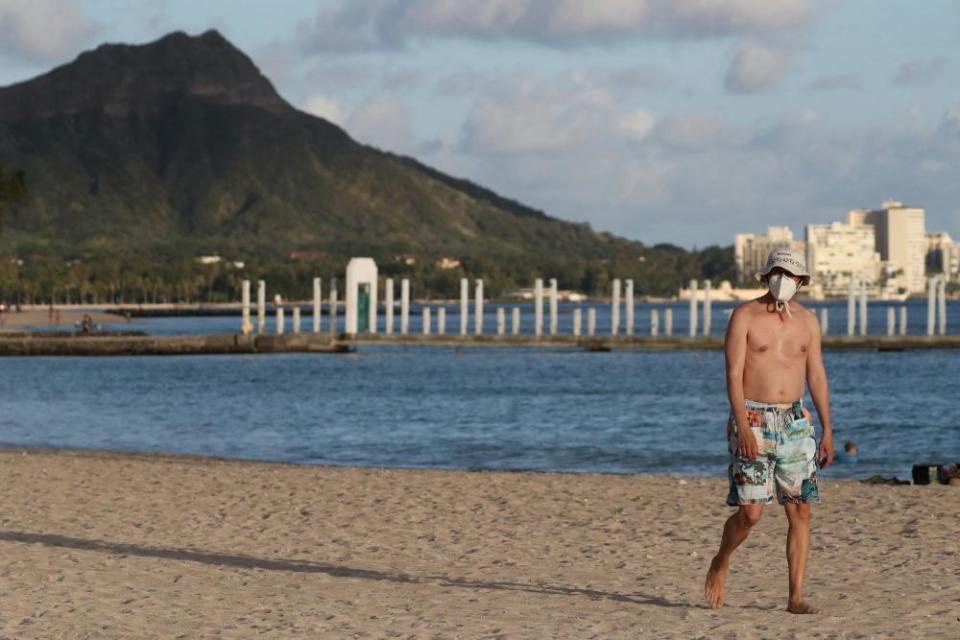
{"x": 680, "y": 121}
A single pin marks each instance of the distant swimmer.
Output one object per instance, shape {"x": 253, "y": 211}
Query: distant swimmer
{"x": 772, "y": 348}
{"x": 849, "y": 453}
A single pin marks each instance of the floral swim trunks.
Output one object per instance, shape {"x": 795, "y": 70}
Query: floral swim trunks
{"x": 786, "y": 461}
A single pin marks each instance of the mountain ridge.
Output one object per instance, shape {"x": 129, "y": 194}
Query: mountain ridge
{"x": 152, "y": 154}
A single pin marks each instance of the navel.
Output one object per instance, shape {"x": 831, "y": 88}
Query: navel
{"x": 763, "y": 347}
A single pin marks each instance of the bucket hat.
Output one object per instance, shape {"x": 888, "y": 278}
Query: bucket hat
{"x": 787, "y": 259}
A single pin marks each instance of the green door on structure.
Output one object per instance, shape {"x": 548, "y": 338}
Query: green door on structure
{"x": 363, "y": 308}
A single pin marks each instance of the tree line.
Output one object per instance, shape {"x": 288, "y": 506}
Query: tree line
{"x": 163, "y": 274}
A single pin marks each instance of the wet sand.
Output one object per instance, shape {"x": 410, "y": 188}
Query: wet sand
{"x": 99, "y": 545}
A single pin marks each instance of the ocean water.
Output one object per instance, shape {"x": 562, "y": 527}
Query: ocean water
{"x": 383, "y": 406}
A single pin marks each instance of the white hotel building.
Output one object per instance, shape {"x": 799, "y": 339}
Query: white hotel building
{"x": 901, "y": 241}
{"x": 884, "y": 248}
{"x": 750, "y": 251}
{"x": 839, "y": 251}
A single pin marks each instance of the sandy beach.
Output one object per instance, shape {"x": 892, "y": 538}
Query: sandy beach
{"x": 100, "y": 545}
{"x": 62, "y": 316}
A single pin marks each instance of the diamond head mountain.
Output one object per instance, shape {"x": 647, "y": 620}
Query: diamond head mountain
{"x": 183, "y": 147}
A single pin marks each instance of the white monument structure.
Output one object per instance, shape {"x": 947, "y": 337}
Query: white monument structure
{"x": 361, "y": 296}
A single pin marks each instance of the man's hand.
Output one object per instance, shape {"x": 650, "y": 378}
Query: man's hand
{"x": 747, "y": 444}
{"x": 826, "y": 450}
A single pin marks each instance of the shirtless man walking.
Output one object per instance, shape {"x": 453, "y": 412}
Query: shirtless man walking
{"x": 772, "y": 347}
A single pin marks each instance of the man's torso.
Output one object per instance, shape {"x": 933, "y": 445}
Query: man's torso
{"x": 776, "y": 361}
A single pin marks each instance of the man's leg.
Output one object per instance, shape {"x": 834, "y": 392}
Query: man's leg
{"x": 798, "y": 546}
{"x": 735, "y": 531}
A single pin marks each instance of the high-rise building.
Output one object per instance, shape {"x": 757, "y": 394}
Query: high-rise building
{"x": 951, "y": 262}
{"x": 837, "y": 252}
{"x": 943, "y": 255}
{"x": 900, "y": 237}
{"x": 750, "y": 251}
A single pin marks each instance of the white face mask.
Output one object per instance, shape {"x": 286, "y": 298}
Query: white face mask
{"x": 782, "y": 288}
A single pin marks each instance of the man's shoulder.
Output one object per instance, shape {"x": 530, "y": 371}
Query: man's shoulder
{"x": 748, "y": 307}
{"x": 801, "y": 311}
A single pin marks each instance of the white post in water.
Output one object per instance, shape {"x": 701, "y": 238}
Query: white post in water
{"x": 707, "y": 309}
{"x": 942, "y": 305}
{"x": 615, "y": 308}
{"x": 280, "y": 321}
{"x": 824, "y": 321}
{"x": 515, "y": 321}
{"x": 388, "y": 304}
{"x": 478, "y": 308}
{"x": 577, "y": 320}
{"x": 668, "y": 322}
{"x": 538, "y": 307}
{"x": 931, "y": 304}
{"x": 891, "y": 321}
{"x": 245, "y": 325}
{"x": 426, "y": 320}
{"x": 863, "y": 308}
{"x": 464, "y": 305}
{"x": 404, "y": 306}
{"x": 296, "y": 319}
{"x": 501, "y": 321}
{"x": 591, "y": 321}
{"x": 851, "y": 307}
{"x": 317, "y": 293}
{"x": 628, "y": 302}
{"x": 654, "y": 323}
{"x": 903, "y": 321}
{"x": 333, "y": 307}
{"x": 553, "y": 306}
{"x": 693, "y": 308}
{"x": 441, "y": 321}
{"x": 261, "y": 307}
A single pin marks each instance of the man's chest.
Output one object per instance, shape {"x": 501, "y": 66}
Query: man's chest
{"x": 789, "y": 338}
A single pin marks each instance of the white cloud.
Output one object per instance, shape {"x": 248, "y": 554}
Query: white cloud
{"x": 43, "y": 30}
{"x": 383, "y": 123}
{"x": 637, "y": 123}
{"x": 692, "y": 177}
{"x": 525, "y": 114}
{"x": 324, "y": 107}
{"x": 754, "y": 67}
{"x": 389, "y": 24}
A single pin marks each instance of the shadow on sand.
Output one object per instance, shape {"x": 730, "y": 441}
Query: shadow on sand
{"x": 336, "y": 571}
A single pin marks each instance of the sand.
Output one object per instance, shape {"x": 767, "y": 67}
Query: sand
{"x": 96, "y": 545}
{"x": 63, "y": 316}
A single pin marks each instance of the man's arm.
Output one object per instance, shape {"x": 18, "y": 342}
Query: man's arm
{"x": 820, "y": 391}
{"x": 735, "y": 349}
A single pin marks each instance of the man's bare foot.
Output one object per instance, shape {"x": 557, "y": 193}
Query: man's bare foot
{"x": 713, "y": 590}
{"x": 803, "y": 607}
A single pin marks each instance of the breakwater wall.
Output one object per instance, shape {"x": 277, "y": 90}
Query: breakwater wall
{"x": 45, "y": 345}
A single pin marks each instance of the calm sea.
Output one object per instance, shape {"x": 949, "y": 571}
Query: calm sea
{"x": 556, "y": 410}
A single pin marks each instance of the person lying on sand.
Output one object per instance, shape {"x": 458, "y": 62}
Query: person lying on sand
{"x": 772, "y": 346}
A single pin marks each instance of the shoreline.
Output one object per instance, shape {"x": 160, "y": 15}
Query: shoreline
{"x": 116, "y": 545}
{"x": 199, "y": 458}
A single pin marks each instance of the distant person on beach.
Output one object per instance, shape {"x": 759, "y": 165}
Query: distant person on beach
{"x": 773, "y": 348}
{"x": 849, "y": 453}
